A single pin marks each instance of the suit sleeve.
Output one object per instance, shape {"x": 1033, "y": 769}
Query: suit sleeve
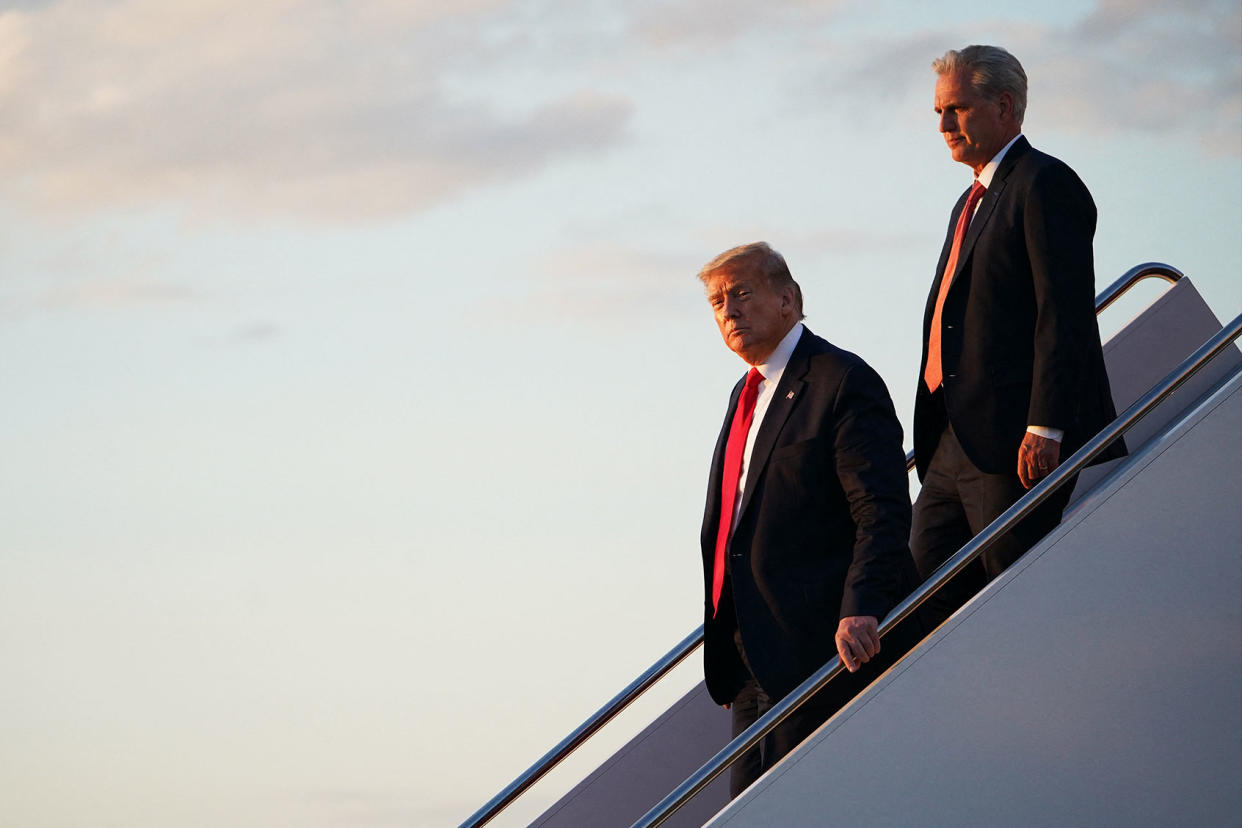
{"x": 1059, "y": 221}
{"x": 871, "y": 467}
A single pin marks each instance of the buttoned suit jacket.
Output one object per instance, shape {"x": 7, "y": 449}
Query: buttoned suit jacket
{"x": 823, "y": 527}
{"x": 1020, "y": 345}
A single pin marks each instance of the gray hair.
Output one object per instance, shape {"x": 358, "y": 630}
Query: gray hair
{"x": 992, "y": 71}
{"x": 756, "y": 258}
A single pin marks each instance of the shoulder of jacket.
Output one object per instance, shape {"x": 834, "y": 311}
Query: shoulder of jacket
{"x": 1035, "y": 162}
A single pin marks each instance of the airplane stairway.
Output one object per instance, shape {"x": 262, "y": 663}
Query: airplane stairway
{"x": 693, "y": 729}
{"x": 1097, "y": 682}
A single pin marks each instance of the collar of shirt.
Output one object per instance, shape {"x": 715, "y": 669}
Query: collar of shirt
{"x": 989, "y": 170}
{"x": 774, "y": 365}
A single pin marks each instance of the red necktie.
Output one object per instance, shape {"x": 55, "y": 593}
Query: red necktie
{"x": 734, "y": 449}
{"x": 933, "y": 374}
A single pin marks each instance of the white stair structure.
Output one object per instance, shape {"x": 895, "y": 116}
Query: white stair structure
{"x": 1098, "y": 682}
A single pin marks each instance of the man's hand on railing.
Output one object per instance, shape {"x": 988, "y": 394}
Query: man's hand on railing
{"x": 1037, "y": 458}
{"x": 858, "y": 640}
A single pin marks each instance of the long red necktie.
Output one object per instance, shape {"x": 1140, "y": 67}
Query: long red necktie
{"x": 933, "y": 375}
{"x": 734, "y": 449}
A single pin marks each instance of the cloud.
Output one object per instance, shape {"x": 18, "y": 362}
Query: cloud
{"x": 313, "y": 108}
{"x": 1143, "y": 66}
{"x": 646, "y": 275}
{"x": 256, "y": 332}
{"x": 353, "y": 111}
{"x": 116, "y": 293}
{"x": 1128, "y": 66}
{"x": 605, "y": 283}
{"x": 675, "y": 23}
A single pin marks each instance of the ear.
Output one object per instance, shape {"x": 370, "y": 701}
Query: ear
{"x": 1004, "y": 103}
{"x": 787, "y": 299}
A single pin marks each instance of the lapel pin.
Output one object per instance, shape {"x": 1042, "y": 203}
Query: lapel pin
{"x": 789, "y": 396}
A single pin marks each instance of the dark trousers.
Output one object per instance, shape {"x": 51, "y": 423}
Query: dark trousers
{"x": 957, "y": 502}
{"x": 752, "y": 702}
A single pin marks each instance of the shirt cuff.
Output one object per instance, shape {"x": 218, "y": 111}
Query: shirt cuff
{"x": 1049, "y": 433}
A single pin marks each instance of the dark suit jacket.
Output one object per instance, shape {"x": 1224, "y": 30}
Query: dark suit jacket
{"x": 1019, "y": 345}
{"x": 823, "y": 527}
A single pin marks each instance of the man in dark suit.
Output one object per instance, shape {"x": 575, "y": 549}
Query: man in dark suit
{"x": 1012, "y": 379}
{"x": 806, "y": 526}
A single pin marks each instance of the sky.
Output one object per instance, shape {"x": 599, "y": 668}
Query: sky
{"x": 358, "y": 388}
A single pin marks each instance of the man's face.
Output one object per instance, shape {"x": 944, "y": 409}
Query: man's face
{"x": 752, "y": 317}
{"x": 974, "y": 127}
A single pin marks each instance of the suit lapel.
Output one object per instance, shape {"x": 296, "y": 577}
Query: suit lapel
{"x": 784, "y": 399}
{"x": 711, "y": 515}
{"x": 987, "y": 205}
{"x": 930, "y": 308}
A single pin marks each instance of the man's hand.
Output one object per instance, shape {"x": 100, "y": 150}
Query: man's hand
{"x": 1037, "y": 457}
{"x": 858, "y": 640}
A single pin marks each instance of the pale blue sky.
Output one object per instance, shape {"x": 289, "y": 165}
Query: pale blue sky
{"x": 359, "y": 390}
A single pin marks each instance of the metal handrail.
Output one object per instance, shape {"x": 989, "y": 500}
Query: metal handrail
{"x": 968, "y": 553}
{"x": 1132, "y": 277}
{"x": 1110, "y": 294}
{"x": 585, "y": 730}
{"x": 688, "y": 644}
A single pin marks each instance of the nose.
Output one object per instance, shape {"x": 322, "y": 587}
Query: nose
{"x": 730, "y": 308}
{"x": 948, "y": 121}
